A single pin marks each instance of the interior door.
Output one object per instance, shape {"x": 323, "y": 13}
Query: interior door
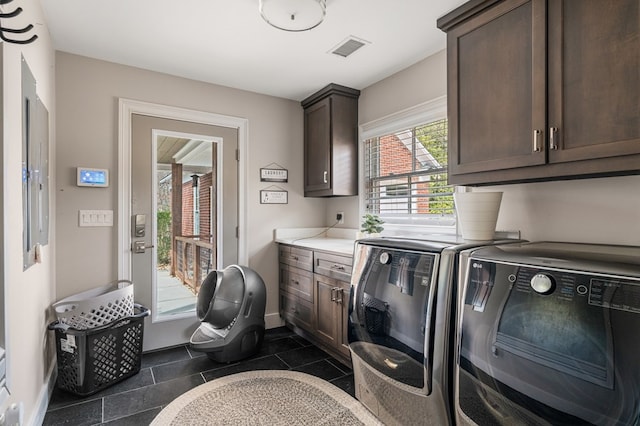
{"x": 202, "y": 220}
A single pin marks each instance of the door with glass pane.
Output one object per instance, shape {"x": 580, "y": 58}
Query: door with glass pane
{"x": 184, "y": 217}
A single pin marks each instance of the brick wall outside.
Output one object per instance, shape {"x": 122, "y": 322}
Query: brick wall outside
{"x": 205, "y": 203}
{"x": 395, "y": 158}
{"x": 204, "y": 184}
{"x": 187, "y": 208}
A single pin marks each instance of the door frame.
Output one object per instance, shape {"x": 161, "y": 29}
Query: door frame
{"x": 128, "y": 107}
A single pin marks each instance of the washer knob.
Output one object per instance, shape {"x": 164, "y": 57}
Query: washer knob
{"x": 385, "y": 258}
{"x": 543, "y": 284}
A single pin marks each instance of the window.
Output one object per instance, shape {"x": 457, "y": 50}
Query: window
{"x": 405, "y": 169}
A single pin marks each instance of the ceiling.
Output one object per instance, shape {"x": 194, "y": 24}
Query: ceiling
{"x": 227, "y": 42}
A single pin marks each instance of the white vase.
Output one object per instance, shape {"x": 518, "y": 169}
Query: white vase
{"x": 477, "y": 214}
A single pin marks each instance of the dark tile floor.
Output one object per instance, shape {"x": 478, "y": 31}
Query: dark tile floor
{"x": 168, "y": 373}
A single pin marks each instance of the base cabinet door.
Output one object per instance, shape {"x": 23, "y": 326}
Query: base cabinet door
{"x": 332, "y": 297}
{"x": 326, "y": 309}
{"x": 343, "y": 341}
{"x": 296, "y": 311}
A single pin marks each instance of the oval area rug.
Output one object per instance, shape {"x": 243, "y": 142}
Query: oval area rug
{"x": 268, "y": 397}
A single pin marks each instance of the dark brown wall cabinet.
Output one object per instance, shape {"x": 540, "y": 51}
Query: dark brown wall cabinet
{"x": 543, "y": 90}
{"x": 331, "y": 142}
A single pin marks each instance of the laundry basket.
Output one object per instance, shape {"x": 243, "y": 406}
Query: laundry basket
{"x": 96, "y": 307}
{"x": 90, "y": 360}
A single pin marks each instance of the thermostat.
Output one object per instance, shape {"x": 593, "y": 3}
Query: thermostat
{"x": 93, "y": 177}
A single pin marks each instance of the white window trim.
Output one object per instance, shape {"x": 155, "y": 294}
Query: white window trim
{"x": 420, "y": 114}
{"x": 411, "y": 117}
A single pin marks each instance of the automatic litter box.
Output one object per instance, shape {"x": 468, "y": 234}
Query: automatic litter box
{"x": 231, "y": 304}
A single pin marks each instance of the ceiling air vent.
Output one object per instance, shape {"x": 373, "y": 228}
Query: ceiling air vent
{"x": 348, "y": 46}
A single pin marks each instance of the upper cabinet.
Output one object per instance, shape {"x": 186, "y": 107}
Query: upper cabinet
{"x": 543, "y": 90}
{"x": 331, "y": 142}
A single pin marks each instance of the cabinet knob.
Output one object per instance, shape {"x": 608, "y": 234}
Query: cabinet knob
{"x": 325, "y": 176}
{"x": 553, "y": 143}
{"x": 536, "y": 140}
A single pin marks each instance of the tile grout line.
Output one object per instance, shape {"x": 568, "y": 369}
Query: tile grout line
{"x": 283, "y": 361}
{"x": 339, "y": 366}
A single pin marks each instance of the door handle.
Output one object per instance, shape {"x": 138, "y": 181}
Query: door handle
{"x": 553, "y": 143}
{"x": 140, "y": 247}
{"x": 325, "y": 176}
{"x": 536, "y": 140}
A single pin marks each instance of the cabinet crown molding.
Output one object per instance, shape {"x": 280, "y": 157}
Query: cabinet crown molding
{"x": 330, "y": 89}
{"x": 462, "y": 13}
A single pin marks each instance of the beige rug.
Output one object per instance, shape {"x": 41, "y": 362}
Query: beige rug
{"x": 270, "y": 397}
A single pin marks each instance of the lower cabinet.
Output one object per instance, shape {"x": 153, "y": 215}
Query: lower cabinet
{"x": 296, "y": 311}
{"x": 331, "y": 309}
{"x": 314, "y": 296}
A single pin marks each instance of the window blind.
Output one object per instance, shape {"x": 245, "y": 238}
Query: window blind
{"x": 406, "y": 175}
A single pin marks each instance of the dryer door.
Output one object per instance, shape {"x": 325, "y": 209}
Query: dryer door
{"x": 392, "y": 299}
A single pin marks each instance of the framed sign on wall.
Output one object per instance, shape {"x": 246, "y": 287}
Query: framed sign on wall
{"x": 274, "y": 174}
{"x": 274, "y": 196}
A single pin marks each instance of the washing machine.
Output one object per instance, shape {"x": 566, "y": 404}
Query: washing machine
{"x": 548, "y": 334}
{"x": 400, "y": 326}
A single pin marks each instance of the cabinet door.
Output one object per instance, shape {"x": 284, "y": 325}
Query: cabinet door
{"x": 594, "y": 78}
{"x": 297, "y": 282}
{"x": 343, "y": 302}
{"x": 496, "y": 89}
{"x": 297, "y": 311}
{"x": 317, "y": 149}
{"x": 327, "y": 310}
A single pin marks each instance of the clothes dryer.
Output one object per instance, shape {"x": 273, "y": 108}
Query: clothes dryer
{"x": 548, "y": 335}
{"x": 400, "y": 327}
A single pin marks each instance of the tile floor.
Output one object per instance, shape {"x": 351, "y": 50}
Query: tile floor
{"x": 168, "y": 373}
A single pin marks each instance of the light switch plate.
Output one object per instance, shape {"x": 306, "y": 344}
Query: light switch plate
{"x": 92, "y": 218}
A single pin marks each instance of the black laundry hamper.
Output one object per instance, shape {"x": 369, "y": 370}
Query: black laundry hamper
{"x": 92, "y": 359}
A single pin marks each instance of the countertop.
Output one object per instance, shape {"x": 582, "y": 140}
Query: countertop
{"x": 339, "y": 241}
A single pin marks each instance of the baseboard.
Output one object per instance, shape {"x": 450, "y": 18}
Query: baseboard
{"x": 45, "y": 396}
{"x": 273, "y": 320}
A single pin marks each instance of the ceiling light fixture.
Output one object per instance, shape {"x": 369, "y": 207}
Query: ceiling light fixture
{"x": 293, "y": 15}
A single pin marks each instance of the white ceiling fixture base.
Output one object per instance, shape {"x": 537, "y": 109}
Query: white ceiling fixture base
{"x": 293, "y": 15}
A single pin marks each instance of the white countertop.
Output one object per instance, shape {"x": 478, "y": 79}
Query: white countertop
{"x": 335, "y": 240}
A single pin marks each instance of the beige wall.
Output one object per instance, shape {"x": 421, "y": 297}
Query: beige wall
{"x": 87, "y": 131}
{"x": 422, "y": 82}
{"x": 605, "y": 210}
{"x": 29, "y": 293}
